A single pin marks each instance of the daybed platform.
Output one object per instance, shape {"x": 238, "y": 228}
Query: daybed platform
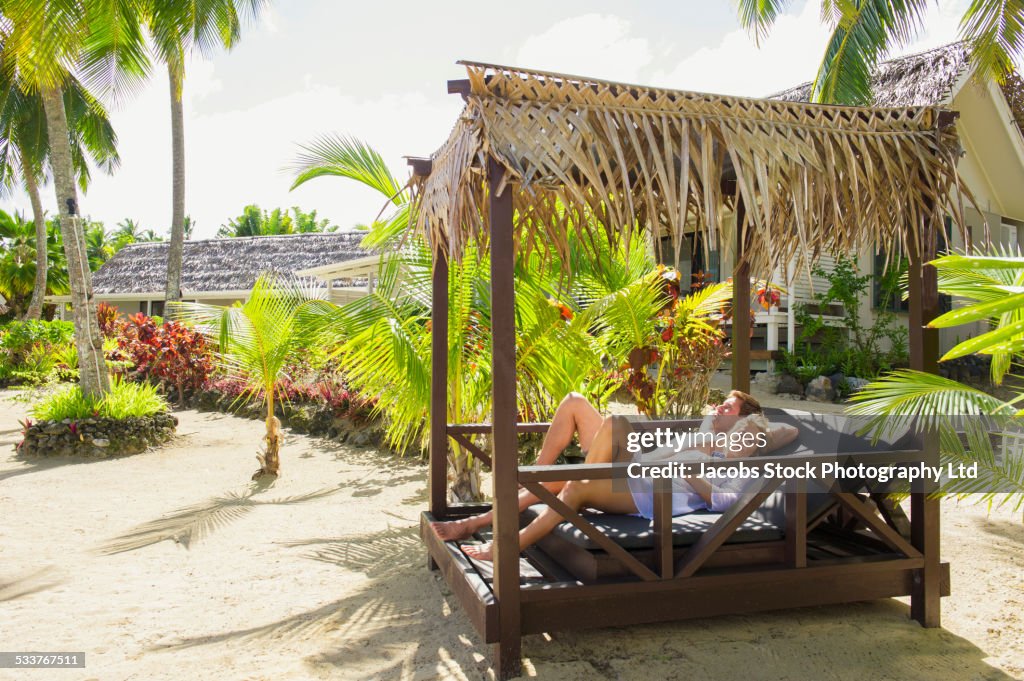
{"x": 792, "y": 550}
{"x": 536, "y": 158}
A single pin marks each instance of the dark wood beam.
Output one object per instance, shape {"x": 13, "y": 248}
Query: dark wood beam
{"x": 741, "y": 307}
{"x": 459, "y": 87}
{"x": 421, "y": 167}
{"x": 438, "y": 476}
{"x": 922, "y": 289}
{"x": 503, "y": 426}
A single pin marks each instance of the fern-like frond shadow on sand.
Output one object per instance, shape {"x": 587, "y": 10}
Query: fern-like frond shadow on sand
{"x": 34, "y": 582}
{"x": 192, "y": 524}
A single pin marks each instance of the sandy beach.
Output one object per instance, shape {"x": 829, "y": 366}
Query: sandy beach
{"x": 169, "y": 565}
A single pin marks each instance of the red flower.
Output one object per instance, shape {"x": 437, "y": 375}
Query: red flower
{"x": 666, "y": 335}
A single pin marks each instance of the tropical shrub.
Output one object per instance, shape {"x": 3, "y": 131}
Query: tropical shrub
{"x": 256, "y": 342}
{"x": 676, "y": 339}
{"x": 851, "y": 348}
{"x": 30, "y": 350}
{"x": 167, "y": 354}
{"x": 125, "y": 400}
{"x": 967, "y": 419}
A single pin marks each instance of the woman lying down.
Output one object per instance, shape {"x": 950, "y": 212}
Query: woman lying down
{"x": 603, "y": 440}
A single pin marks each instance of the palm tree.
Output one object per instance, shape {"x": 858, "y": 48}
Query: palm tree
{"x": 864, "y": 31}
{"x": 41, "y": 40}
{"x": 98, "y": 247}
{"x": 19, "y": 260}
{"x": 178, "y": 28}
{"x": 255, "y": 221}
{"x": 994, "y": 282}
{"x": 24, "y": 152}
{"x": 129, "y": 232}
{"x": 256, "y": 342}
{"x": 384, "y": 338}
{"x": 309, "y": 222}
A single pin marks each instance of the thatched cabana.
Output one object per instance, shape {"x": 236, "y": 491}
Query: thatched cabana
{"x": 535, "y": 155}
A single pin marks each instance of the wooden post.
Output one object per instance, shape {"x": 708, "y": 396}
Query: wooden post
{"x": 741, "y": 307}
{"x": 796, "y": 523}
{"x": 925, "y": 599}
{"x": 505, "y": 466}
{"x": 439, "y": 387}
{"x": 662, "y": 522}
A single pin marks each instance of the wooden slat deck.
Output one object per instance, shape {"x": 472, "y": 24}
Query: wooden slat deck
{"x": 842, "y": 566}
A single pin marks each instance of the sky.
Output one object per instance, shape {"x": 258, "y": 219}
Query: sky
{"x": 377, "y": 72}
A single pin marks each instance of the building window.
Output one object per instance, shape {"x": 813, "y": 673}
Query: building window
{"x": 156, "y": 308}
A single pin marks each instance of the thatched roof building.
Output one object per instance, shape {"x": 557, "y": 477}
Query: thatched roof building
{"x": 922, "y": 79}
{"x": 227, "y": 266}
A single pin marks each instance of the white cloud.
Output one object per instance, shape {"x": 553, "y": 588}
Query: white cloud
{"x": 237, "y": 157}
{"x": 737, "y": 66}
{"x": 591, "y": 45}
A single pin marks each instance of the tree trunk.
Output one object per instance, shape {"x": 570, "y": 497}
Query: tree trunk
{"x": 35, "y": 307}
{"x": 465, "y": 481}
{"x": 92, "y": 369}
{"x": 270, "y": 460}
{"x": 176, "y": 74}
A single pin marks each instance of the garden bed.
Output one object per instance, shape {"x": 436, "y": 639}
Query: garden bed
{"x": 321, "y": 419}
{"x": 97, "y": 437}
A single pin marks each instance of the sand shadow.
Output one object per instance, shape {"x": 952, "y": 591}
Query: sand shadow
{"x": 31, "y": 583}
{"x": 876, "y": 640}
{"x": 403, "y": 622}
{"x": 1005, "y": 529}
{"x": 192, "y": 524}
{"x": 386, "y": 624}
{"x": 37, "y": 464}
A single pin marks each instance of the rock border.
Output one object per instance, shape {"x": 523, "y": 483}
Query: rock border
{"x": 98, "y": 438}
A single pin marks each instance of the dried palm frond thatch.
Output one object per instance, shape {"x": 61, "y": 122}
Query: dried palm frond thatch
{"x": 228, "y": 264}
{"x": 580, "y": 152}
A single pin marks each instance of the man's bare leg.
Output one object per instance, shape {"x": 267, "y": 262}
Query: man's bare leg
{"x": 578, "y": 494}
{"x": 574, "y": 416}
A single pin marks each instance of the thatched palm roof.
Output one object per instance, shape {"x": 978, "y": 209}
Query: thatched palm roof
{"x": 922, "y": 79}
{"x": 580, "y": 151}
{"x": 231, "y": 264}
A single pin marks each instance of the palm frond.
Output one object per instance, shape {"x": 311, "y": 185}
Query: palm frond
{"x": 758, "y": 16}
{"x": 866, "y": 30}
{"x": 995, "y": 31}
{"x": 333, "y": 155}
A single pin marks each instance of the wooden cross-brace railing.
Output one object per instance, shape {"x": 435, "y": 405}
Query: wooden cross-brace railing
{"x": 697, "y": 555}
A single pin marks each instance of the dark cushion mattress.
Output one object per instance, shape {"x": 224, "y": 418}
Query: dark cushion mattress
{"x": 818, "y": 434}
{"x": 634, "y": 532}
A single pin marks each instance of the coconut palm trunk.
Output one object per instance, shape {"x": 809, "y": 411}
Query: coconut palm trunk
{"x": 35, "y": 307}
{"x": 270, "y": 460}
{"x": 176, "y": 247}
{"x": 91, "y": 365}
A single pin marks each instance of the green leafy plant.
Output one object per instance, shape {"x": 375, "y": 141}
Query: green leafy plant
{"x": 994, "y": 281}
{"x": 256, "y": 342}
{"x": 125, "y": 400}
{"x": 167, "y": 354}
{"x": 849, "y": 346}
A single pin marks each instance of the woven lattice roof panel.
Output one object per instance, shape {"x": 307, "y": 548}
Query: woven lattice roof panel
{"x": 591, "y": 155}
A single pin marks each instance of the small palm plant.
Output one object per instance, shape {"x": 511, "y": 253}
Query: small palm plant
{"x": 995, "y": 283}
{"x": 256, "y": 342}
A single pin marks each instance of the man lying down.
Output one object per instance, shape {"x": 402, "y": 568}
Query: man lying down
{"x": 603, "y": 440}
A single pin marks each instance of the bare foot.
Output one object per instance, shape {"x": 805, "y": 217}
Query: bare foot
{"x": 453, "y": 530}
{"x": 478, "y": 551}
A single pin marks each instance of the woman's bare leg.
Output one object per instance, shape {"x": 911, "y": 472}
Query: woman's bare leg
{"x": 575, "y": 415}
{"x": 597, "y": 494}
